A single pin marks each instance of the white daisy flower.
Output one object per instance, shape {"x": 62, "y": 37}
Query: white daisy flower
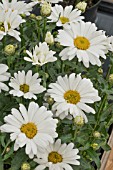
{"x": 4, "y": 76}
{"x": 65, "y": 16}
{"x": 71, "y": 95}
{"x": 58, "y": 156}
{"x": 84, "y": 42}
{"x": 20, "y": 6}
{"x": 26, "y": 85}
{"x": 34, "y": 128}
{"x": 9, "y": 22}
{"x": 50, "y": 1}
{"x": 41, "y": 55}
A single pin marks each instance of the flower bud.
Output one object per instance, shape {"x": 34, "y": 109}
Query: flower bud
{"x": 100, "y": 71}
{"x": 46, "y": 9}
{"x": 33, "y": 16}
{"x": 81, "y": 6}
{"x": 39, "y": 18}
{"x": 50, "y": 100}
{"x": 7, "y": 149}
{"x": 79, "y": 120}
{"x": 49, "y": 38}
{"x": 9, "y": 49}
{"x": 95, "y": 146}
{"x": 58, "y": 45}
{"x": 47, "y": 75}
{"x": 111, "y": 79}
{"x": 96, "y": 134}
{"x": 23, "y": 15}
{"x": 25, "y": 166}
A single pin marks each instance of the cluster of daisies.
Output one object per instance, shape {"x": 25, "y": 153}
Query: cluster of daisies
{"x": 35, "y": 127}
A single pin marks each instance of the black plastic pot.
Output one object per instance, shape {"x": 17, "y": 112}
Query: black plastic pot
{"x": 91, "y": 13}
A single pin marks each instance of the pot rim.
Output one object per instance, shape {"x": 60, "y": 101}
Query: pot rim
{"x": 94, "y": 5}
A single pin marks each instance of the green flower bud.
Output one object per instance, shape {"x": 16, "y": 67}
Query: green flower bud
{"x": 96, "y": 134}
{"x": 33, "y": 16}
{"x": 111, "y": 78}
{"x": 8, "y": 149}
{"x": 25, "y": 166}
{"x": 23, "y": 15}
{"x": 50, "y": 100}
{"x": 100, "y": 71}
{"x": 9, "y": 49}
{"x": 46, "y": 9}
{"x": 58, "y": 45}
{"x": 79, "y": 120}
{"x": 39, "y": 18}
{"x": 47, "y": 75}
{"x": 95, "y": 146}
{"x": 81, "y": 6}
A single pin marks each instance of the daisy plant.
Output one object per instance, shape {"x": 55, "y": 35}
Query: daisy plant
{"x": 55, "y": 94}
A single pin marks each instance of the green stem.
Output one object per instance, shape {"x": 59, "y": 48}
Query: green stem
{"x": 101, "y": 107}
{"x": 22, "y": 38}
{"x": 39, "y": 31}
{"x": 4, "y": 42}
{"x": 75, "y": 133}
{"x": 6, "y": 147}
{"x": 44, "y": 29}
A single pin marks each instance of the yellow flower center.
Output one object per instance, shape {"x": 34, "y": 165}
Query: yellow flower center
{"x": 72, "y": 96}
{"x": 2, "y": 28}
{"x": 81, "y": 43}
{"x": 24, "y": 88}
{"x": 30, "y": 130}
{"x": 64, "y": 20}
{"x": 54, "y": 157}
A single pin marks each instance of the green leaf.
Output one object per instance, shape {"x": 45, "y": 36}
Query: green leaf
{"x": 66, "y": 138}
{"x": 8, "y": 155}
{"x": 94, "y": 157}
{"x": 19, "y": 158}
{"x": 106, "y": 147}
{"x": 1, "y": 161}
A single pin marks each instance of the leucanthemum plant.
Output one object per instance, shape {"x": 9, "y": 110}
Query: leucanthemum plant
{"x": 55, "y": 96}
{"x": 41, "y": 55}
{"x": 63, "y": 17}
{"x": 20, "y": 6}
{"x": 58, "y": 155}
{"x": 84, "y": 42}
{"x": 26, "y": 85}
{"x": 50, "y": 1}
{"x": 71, "y": 95}
{"x": 28, "y": 128}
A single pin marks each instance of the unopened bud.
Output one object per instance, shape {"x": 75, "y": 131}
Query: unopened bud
{"x": 25, "y": 166}
{"x": 81, "y": 6}
{"x": 23, "y": 15}
{"x": 49, "y": 38}
{"x": 46, "y": 9}
{"x": 111, "y": 78}
{"x": 50, "y": 100}
{"x": 39, "y": 18}
{"x": 100, "y": 71}
{"x": 96, "y": 134}
{"x": 7, "y": 149}
{"x": 79, "y": 120}
{"x": 95, "y": 146}
{"x": 33, "y": 16}
{"x": 58, "y": 45}
{"x": 9, "y": 49}
{"x": 47, "y": 75}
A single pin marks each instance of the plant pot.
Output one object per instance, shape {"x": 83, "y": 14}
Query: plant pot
{"x": 91, "y": 13}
